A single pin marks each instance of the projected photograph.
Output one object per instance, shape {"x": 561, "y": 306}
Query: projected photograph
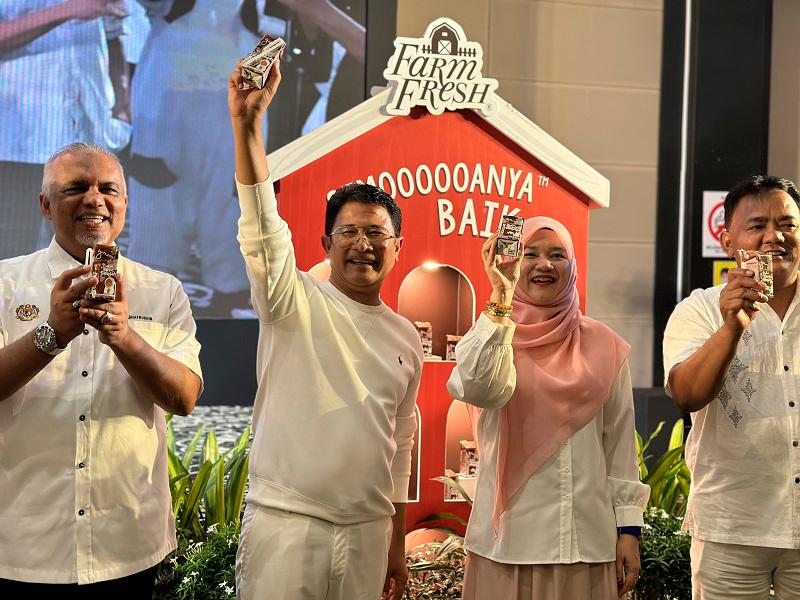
{"x": 146, "y": 79}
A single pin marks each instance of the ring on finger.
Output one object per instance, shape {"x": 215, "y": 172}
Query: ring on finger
{"x": 106, "y": 318}
{"x": 76, "y": 305}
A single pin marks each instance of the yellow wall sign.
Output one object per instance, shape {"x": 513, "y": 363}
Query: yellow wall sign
{"x": 721, "y": 268}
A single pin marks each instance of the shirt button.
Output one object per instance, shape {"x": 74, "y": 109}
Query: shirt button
{"x": 795, "y": 443}
{"x": 785, "y": 367}
{"x": 84, "y": 373}
{"x": 85, "y": 332}
{"x": 80, "y": 512}
{"x": 81, "y": 465}
{"x": 82, "y": 418}
{"x": 797, "y": 479}
{"x": 791, "y": 403}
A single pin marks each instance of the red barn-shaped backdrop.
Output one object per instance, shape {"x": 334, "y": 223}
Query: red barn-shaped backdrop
{"x": 453, "y": 175}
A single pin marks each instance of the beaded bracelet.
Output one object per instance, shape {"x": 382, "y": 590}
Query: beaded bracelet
{"x": 498, "y": 310}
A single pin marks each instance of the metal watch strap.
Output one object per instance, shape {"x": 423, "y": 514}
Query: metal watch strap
{"x": 44, "y": 338}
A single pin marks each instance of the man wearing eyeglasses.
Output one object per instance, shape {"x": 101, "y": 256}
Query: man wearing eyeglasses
{"x": 338, "y": 374}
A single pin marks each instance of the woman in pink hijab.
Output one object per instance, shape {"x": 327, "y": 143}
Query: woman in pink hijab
{"x": 558, "y": 505}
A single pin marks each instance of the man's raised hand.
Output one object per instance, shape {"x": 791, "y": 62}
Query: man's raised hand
{"x": 738, "y": 299}
{"x": 248, "y": 103}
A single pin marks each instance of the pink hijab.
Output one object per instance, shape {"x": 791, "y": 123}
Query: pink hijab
{"x": 566, "y": 364}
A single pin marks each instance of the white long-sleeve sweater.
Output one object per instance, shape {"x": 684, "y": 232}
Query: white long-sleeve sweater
{"x": 334, "y": 415}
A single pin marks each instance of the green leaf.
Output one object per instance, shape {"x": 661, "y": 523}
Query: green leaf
{"x": 451, "y": 544}
{"x": 188, "y": 455}
{"x": 215, "y": 494}
{"x": 663, "y": 465}
{"x": 450, "y": 482}
{"x": 174, "y": 464}
{"x": 234, "y": 491}
{"x": 676, "y": 437}
{"x": 170, "y": 433}
{"x": 210, "y": 449}
{"x": 188, "y": 515}
{"x": 243, "y": 440}
{"x": 653, "y": 436}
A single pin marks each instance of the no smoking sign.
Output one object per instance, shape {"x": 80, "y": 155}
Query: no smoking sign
{"x": 713, "y": 223}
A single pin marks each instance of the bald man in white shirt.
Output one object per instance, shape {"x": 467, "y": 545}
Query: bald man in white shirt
{"x": 85, "y": 507}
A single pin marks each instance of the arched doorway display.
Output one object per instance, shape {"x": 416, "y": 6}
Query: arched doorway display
{"x": 461, "y": 452}
{"x": 442, "y": 298}
{"x": 416, "y": 539}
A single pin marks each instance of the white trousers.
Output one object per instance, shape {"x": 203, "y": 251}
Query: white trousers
{"x": 288, "y": 556}
{"x": 734, "y": 572}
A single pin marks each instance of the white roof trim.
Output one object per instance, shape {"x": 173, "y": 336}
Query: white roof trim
{"x": 506, "y": 119}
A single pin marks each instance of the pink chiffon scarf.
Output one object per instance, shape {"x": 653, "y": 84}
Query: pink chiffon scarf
{"x": 566, "y": 364}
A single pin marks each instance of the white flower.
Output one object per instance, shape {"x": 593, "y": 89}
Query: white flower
{"x": 186, "y": 580}
{"x": 229, "y": 589}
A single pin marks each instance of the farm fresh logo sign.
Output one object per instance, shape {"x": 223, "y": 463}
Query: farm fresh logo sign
{"x": 439, "y": 71}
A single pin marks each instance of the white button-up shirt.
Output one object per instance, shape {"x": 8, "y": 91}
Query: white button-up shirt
{"x": 568, "y": 511}
{"x": 744, "y": 447}
{"x": 84, "y": 494}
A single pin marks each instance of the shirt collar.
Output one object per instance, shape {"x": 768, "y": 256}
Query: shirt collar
{"x": 59, "y": 260}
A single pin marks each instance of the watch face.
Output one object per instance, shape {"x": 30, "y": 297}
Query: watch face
{"x": 45, "y": 339}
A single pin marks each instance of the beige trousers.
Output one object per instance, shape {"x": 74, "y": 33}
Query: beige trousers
{"x": 486, "y": 579}
{"x": 734, "y": 572}
{"x": 289, "y": 556}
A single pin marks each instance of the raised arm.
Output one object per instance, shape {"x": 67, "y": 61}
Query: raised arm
{"x": 264, "y": 237}
{"x": 247, "y": 106}
{"x": 484, "y": 374}
{"x": 694, "y": 381}
{"x": 335, "y": 22}
{"x": 19, "y": 32}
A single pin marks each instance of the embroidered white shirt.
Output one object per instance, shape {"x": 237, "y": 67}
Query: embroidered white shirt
{"x": 744, "y": 447}
{"x": 569, "y": 510}
{"x": 84, "y": 494}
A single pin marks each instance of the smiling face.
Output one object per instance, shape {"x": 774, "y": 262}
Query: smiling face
{"x": 85, "y": 199}
{"x": 768, "y": 223}
{"x": 545, "y": 269}
{"x": 358, "y": 268}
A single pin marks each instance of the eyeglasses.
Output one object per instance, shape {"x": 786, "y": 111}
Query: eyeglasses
{"x": 349, "y": 235}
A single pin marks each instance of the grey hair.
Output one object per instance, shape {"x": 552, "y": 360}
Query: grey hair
{"x": 47, "y": 176}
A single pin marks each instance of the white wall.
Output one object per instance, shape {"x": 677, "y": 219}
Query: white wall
{"x": 784, "y": 101}
{"x": 588, "y": 72}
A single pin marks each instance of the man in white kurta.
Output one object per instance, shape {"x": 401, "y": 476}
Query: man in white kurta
{"x": 731, "y": 359}
{"x": 338, "y": 374}
{"x": 84, "y": 493}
